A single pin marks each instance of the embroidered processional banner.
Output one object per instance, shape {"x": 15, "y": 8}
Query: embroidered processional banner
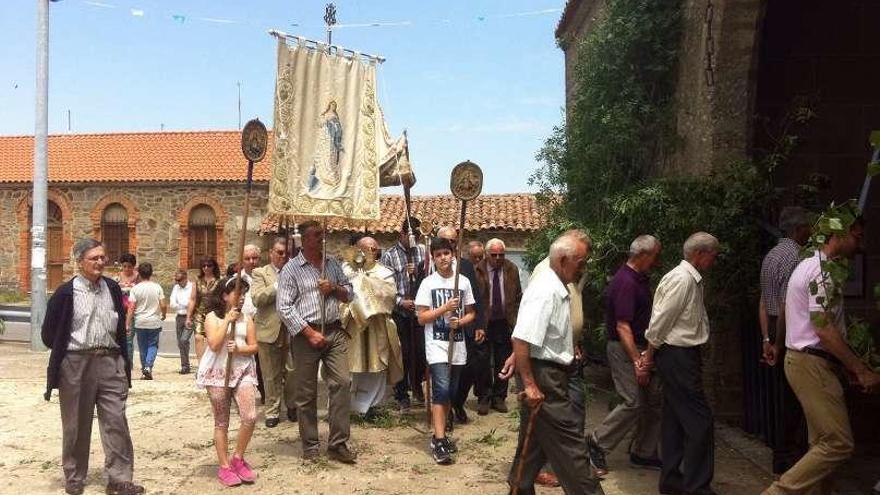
{"x": 332, "y": 146}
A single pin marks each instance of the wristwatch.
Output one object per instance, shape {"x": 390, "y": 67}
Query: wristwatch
{"x": 766, "y": 340}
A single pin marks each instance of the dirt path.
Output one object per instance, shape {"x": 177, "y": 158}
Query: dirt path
{"x": 171, "y": 427}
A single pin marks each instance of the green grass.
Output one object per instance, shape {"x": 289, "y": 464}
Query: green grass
{"x": 492, "y": 439}
{"x": 513, "y": 420}
{"x": 384, "y": 417}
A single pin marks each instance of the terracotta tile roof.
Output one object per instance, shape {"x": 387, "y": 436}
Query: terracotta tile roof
{"x": 125, "y": 157}
{"x": 517, "y": 212}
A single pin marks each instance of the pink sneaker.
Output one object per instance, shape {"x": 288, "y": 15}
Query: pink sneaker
{"x": 227, "y": 476}
{"x": 243, "y": 469}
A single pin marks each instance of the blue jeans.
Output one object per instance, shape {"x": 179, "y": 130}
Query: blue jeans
{"x": 148, "y": 345}
{"x": 129, "y": 338}
{"x": 444, "y": 384}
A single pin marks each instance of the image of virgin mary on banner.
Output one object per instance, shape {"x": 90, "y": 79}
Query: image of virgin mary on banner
{"x": 332, "y": 147}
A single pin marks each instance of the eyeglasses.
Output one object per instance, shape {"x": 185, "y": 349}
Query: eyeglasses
{"x": 280, "y": 252}
{"x": 496, "y": 255}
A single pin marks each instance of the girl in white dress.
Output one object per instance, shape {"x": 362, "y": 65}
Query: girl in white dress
{"x": 242, "y": 381}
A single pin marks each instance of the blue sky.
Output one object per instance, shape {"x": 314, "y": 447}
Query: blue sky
{"x": 469, "y": 79}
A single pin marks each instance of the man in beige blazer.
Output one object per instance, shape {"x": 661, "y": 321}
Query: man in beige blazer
{"x": 275, "y": 358}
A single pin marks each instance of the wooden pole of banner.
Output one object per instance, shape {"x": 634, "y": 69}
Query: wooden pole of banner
{"x": 427, "y": 230}
{"x": 323, "y": 272}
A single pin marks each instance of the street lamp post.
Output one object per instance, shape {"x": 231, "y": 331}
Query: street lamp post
{"x": 41, "y": 167}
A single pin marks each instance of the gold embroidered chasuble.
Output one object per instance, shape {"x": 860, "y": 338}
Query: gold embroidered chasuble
{"x": 374, "y": 345}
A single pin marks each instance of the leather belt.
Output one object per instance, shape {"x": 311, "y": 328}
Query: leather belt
{"x": 330, "y": 324}
{"x": 822, "y": 354}
{"x": 97, "y": 351}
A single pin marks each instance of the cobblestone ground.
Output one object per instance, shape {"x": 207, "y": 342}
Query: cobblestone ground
{"x": 171, "y": 427}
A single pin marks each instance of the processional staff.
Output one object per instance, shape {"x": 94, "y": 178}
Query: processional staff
{"x": 466, "y": 184}
{"x": 254, "y": 141}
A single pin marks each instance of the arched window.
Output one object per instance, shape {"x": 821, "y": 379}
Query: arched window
{"x": 114, "y": 231}
{"x": 202, "y": 234}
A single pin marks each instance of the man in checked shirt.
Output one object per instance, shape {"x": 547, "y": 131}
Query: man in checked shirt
{"x": 411, "y": 334}
{"x": 305, "y": 283}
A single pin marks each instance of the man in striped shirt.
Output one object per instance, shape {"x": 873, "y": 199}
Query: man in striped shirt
{"x": 310, "y": 288}
{"x": 787, "y": 431}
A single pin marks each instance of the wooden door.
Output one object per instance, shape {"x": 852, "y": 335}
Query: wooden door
{"x": 55, "y": 247}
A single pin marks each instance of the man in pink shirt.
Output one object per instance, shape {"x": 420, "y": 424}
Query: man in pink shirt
{"x": 813, "y": 357}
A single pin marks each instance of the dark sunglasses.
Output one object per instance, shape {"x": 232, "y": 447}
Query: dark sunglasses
{"x": 496, "y": 255}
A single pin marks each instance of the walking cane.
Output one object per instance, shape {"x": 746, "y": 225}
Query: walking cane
{"x": 466, "y": 183}
{"x": 533, "y": 414}
{"x": 254, "y": 139}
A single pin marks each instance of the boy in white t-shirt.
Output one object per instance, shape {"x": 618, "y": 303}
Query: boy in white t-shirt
{"x": 438, "y": 310}
{"x": 145, "y": 316}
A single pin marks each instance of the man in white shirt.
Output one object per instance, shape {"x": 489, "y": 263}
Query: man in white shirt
{"x": 679, "y": 326}
{"x": 544, "y": 354}
{"x": 180, "y": 295}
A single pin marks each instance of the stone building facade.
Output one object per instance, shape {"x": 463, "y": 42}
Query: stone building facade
{"x": 158, "y": 224}
{"x": 171, "y": 198}
{"x": 744, "y": 64}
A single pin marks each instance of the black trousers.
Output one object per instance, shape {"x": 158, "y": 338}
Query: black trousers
{"x": 475, "y": 373}
{"x": 412, "y": 346}
{"x": 788, "y": 431}
{"x": 687, "y": 430}
{"x": 557, "y": 438}
{"x": 498, "y": 336}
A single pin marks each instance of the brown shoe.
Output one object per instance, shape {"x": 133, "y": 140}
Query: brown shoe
{"x": 341, "y": 454}
{"x": 74, "y": 487}
{"x": 547, "y": 479}
{"x": 483, "y": 407}
{"x": 311, "y": 455}
{"x": 124, "y": 488}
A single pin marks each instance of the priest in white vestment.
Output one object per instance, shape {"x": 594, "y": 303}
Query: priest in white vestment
{"x": 374, "y": 350}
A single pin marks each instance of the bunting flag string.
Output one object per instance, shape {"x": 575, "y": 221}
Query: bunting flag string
{"x": 181, "y": 18}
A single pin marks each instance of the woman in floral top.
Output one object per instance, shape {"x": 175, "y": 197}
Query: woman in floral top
{"x": 198, "y": 307}
{"x": 242, "y": 379}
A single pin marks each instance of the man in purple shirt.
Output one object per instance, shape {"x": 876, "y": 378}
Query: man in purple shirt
{"x": 627, "y": 315}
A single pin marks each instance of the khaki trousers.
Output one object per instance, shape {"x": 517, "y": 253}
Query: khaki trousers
{"x": 336, "y": 374}
{"x": 820, "y": 393}
{"x": 276, "y": 365}
{"x": 640, "y": 409}
{"x": 88, "y": 381}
